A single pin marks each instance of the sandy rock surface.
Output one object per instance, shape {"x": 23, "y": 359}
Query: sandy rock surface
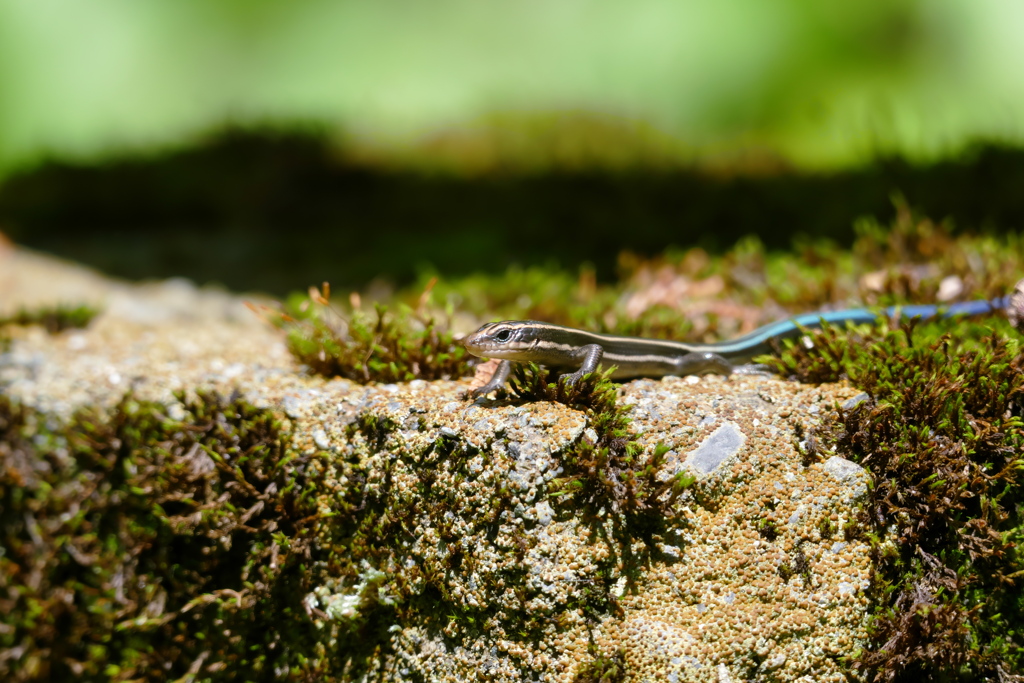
{"x": 152, "y": 338}
{"x": 756, "y": 581}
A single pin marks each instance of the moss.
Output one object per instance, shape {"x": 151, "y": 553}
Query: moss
{"x": 137, "y": 546}
{"x": 603, "y": 669}
{"x": 767, "y": 529}
{"x": 826, "y": 528}
{"x": 394, "y": 494}
{"x": 373, "y": 524}
{"x": 383, "y": 346}
{"x": 608, "y": 478}
{"x": 374, "y": 427}
{"x": 371, "y": 527}
{"x": 52, "y": 318}
{"x": 149, "y": 540}
{"x": 408, "y": 514}
{"x": 942, "y": 435}
{"x": 960, "y": 631}
{"x": 908, "y": 261}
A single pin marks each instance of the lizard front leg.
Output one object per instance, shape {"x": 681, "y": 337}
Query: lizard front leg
{"x": 702, "y": 362}
{"x": 497, "y": 380}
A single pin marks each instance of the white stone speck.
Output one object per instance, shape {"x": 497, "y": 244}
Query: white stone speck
{"x": 321, "y": 440}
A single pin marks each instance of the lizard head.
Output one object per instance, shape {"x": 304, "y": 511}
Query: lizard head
{"x": 506, "y": 340}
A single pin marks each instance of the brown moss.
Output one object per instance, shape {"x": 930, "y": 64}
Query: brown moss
{"x": 942, "y": 434}
{"x": 603, "y": 669}
{"x": 136, "y": 546}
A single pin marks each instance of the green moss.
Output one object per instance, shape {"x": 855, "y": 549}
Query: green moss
{"x": 603, "y": 669}
{"x": 383, "y": 346}
{"x": 53, "y": 318}
{"x": 135, "y": 540}
{"x": 826, "y": 528}
{"x": 905, "y": 262}
{"x": 371, "y": 527}
{"x": 393, "y": 493}
{"x": 397, "y": 497}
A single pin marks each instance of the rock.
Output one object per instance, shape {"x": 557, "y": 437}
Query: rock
{"x": 736, "y": 595}
{"x": 852, "y": 476}
{"x": 852, "y": 403}
{"x": 494, "y": 574}
{"x": 714, "y": 450}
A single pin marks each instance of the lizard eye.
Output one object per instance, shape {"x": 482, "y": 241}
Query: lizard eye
{"x": 504, "y": 335}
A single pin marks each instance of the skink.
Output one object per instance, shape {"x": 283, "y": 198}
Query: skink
{"x": 526, "y": 341}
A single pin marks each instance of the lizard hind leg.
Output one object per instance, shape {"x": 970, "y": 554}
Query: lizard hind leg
{"x": 758, "y": 369}
{"x": 702, "y": 363}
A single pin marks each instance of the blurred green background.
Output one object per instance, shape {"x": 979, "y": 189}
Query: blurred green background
{"x": 266, "y": 145}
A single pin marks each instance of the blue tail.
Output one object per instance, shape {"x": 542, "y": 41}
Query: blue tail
{"x": 758, "y": 342}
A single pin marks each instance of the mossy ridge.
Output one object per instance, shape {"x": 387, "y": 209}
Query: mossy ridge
{"x": 942, "y": 435}
{"x": 53, "y": 319}
{"x": 385, "y": 346}
{"x": 137, "y": 546}
{"x": 834, "y": 353}
{"x": 912, "y": 259}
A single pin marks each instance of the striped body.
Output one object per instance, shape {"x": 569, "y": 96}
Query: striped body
{"x": 564, "y": 347}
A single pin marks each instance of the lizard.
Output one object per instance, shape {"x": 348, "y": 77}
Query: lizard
{"x": 525, "y": 341}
